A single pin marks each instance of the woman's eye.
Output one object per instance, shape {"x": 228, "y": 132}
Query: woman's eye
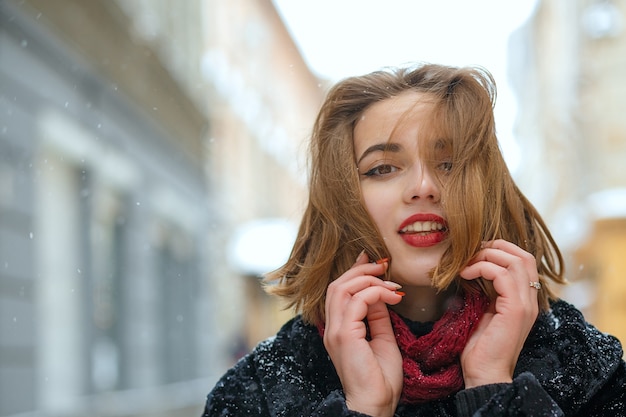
{"x": 380, "y": 170}
{"x": 445, "y": 166}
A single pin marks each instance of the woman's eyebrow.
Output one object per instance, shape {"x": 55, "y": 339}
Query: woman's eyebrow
{"x": 383, "y": 147}
{"x": 443, "y": 144}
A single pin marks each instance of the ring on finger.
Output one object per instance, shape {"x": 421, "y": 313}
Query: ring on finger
{"x": 535, "y": 284}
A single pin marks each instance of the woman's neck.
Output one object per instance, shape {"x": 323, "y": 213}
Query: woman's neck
{"x": 422, "y": 304}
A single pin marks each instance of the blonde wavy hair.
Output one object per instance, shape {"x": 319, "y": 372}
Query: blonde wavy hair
{"x": 478, "y": 195}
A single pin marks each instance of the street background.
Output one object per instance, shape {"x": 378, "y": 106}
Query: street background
{"x": 152, "y": 167}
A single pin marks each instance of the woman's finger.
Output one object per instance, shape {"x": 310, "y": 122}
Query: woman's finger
{"x": 357, "y": 307}
{"x": 503, "y": 259}
{"x": 359, "y": 277}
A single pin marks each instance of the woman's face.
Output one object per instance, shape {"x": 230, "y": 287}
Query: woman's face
{"x": 399, "y": 191}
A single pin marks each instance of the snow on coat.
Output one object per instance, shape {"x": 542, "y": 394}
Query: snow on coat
{"x": 566, "y": 368}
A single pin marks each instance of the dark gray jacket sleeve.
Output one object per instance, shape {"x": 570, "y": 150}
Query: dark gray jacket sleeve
{"x": 526, "y": 397}
{"x": 523, "y": 397}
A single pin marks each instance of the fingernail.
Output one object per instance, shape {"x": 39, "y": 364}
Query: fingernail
{"x": 401, "y": 293}
{"x": 382, "y": 261}
{"x": 393, "y": 284}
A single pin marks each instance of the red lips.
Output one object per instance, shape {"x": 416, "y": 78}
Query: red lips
{"x": 424, "y": 238}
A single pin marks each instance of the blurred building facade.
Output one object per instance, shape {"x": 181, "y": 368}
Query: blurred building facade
{"x": 568, "y": 66}
{"x": 263, "y": 102}
{"x": 140, "y": 144}
{"x": 103, "y": 216}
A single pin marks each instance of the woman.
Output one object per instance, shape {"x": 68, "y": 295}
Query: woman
{"x": 408, "y": 189}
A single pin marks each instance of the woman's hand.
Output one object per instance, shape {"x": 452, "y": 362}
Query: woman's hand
{"x": 493, "y": 349}
{"x": 370, "y": 370}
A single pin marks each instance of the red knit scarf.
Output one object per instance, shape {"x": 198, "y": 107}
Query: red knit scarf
{"x": 431, "y": 363}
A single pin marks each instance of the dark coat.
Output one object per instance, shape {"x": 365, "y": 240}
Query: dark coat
{"x": 567, "y": 368}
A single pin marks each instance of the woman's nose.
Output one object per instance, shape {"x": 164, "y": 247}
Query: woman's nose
{"x": 421, "y": 185}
